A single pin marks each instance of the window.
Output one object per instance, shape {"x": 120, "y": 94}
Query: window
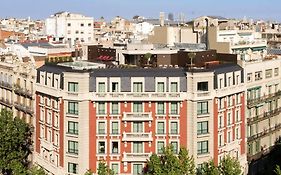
{"x": 228, "y": 136}
{"x": 228, "y": 118}
{"x": 73, "y": 108}
{"x": 237, "y": 79}
{"x": 174, "y": 128}
{"x": 160, "y": 127}
{"x": 202, "y": 127}
{"x": 174, "y": 108}
{"x": 258, "y": 75}
{"x": 221, "y": 121}
{"x": 202, "y": 107}
{"x": 101, "y": 87}
{"x": 68, "y": 24}
{"x": 174, "y": 87}
{"x": 268, "y": 73}
{"x": 114, "y": 108}
{"x": 72, "y": 127}
{"x": 137, "y": 107}
{"x": 237, "y": 133}
{"x": 89, "y": 24}
{"x": 249, "y": 77}
{"x": 72, "y": 87}
{"x": 229, "y": 81}
{"x": 138, "y": 127}
{"x": 77, "y": 32}
{"x": 160, "y": 87}
{"x": 72, "y": 168}
{"x": 276, "y": 71}
{"x": 137, "y": 169}
{"x": 220, "y": 140}
{"x": 101, "y": 147}
{"x": 114, "y": 148}
{"x": 137, "y": 87}
{"x": 175, "y": 147}
{"x": 72, "y": 147}
{"x": 160, "y": 147}
{"x": 114, "y": 87}
{"x": 160, "y": 108}
{"x": 101, "y": 127}
{"x": 115, "y": 168}
{"x": 101, "y": 108}
{"x": 82, "y": 25}
{"x": 202, "y": 86}
{"x": 137, "y": 147}
{"x": 114, "y": 128}
{"x": 237, "y": 116}
{"x": 221, "y": 103}
{"x": 202, "y": 147}
{"x": 221, "y": 85}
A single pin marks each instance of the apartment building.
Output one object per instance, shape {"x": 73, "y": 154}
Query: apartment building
{"x": 247, "y": 44}
{"x": 86, "y": 113}
{"x": 263, "y": 105}
{"x": 70, "y": 28}
{"x": 17, "y": 77}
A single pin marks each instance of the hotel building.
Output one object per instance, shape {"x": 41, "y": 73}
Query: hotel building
{"x": 87, "y": 112}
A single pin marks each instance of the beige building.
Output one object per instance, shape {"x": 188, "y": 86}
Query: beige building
{"x": 263, "y": 81}
{"x": 17, "y": 77}
{"x": 247, "y": 44}
{"x": 170, "y": 35}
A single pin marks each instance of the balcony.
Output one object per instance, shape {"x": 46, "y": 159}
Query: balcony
{"x": 264, "y": 116}
{"x": 136, "y": 157}
{"x": 23, "y": 92}
{"x": 253, "y": 102}
{"x": 139, "y": 116}
{"x": 24, "y": 108}
{"x": 143, "y": 96}
{"x": 264, "y": 133}
{"x": 6, "y": 102}
{"x": 6, "y": 85}
{"x": 137, "y": 137}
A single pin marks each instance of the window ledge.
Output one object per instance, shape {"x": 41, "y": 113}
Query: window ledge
{"x": 202, "y": 155}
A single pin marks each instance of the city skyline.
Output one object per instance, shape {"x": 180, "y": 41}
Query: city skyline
{"x": 150, "y": 9}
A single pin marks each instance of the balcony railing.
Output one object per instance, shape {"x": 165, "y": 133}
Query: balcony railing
{"x": 137, "y": 116}
{"x": 24, "y": 108}
{"x": 136, "y": 157}
{"x": 264, "y": 133}
{"x": 6, "y": 102}
{"x": 264, "y": 116}
{"x": 137, "y": 137}
{"x": 21, "y": 91}
{"x": 137, "y": 95}
{"x": 6, "y": 85}
{"x": 253, "y": 102}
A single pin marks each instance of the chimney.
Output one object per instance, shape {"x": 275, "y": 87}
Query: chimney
{"x": 207, "y": 33}
{"x": 162, "y": 18}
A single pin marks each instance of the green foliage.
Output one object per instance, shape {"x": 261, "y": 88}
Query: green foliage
{"x": 170, "y": 164}
{"x": 88, "y": 172}
{"x": 277, "y": 170}
{"x": 227, "y": 166}
{"x": 35, "y": 170}
{"x": 230, "y": 166}
{"x": 103, "y": 169}
{"x": 15, "y": 144}
{"x": 209, "y": 168}
{"x": 147, "y": 56}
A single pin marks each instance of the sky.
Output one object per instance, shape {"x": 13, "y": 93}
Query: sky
{"x": 41, "y": 9}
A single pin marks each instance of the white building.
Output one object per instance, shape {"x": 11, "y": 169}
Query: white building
{"x": 69, "y": 28}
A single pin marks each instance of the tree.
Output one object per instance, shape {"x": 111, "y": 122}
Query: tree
{"x": 277, "y": 170}
{"x": 191, "y": 55}
{"x": 209, "y": 168}
{"x": 230, "y": 166}
{"x": 15, "y": 144}
{"x": 170, "y": 164}
{"x": 35, "y": 170}
{"x": 103, "y": 169}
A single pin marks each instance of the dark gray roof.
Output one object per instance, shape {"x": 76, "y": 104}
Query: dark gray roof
{"x": 139, "y": 72}
{"x": 54, "y": 69}
{"x": 39, "y": 44}
{"x": 227, "y": 67}
{"x": 274, "y": 51}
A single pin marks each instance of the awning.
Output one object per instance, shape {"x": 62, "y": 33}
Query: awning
{"x": 105, "y": 58}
